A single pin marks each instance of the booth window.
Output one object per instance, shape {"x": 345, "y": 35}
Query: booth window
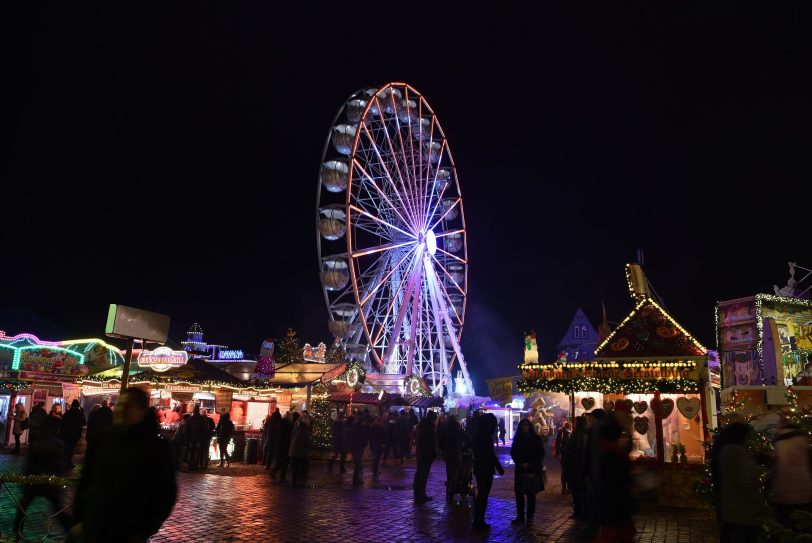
{"x": 682, "y": 436}
{"x": 644, "y": 433}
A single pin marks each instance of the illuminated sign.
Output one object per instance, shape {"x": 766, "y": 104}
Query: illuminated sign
{"x": 162, "y": 359}
{"x": 230, "y": 354}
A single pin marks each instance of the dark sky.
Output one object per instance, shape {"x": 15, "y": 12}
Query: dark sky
{"x": 168, "y": 160}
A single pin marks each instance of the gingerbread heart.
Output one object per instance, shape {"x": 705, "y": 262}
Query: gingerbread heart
{"x": 641, "y": 407}
{"x": 609, "y": 405}
{"x": 545, "y": 431}
{"x": 688, "y": 408}
{"x": 667, "y": 407}
{"x": 628, "y": 403}
{"x": 641, "y": 425}
{"x": 588, "y": 403}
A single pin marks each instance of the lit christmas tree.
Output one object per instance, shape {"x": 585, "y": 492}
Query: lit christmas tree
{"x": 290, "y": 351}
{"x": 320, "y": 410}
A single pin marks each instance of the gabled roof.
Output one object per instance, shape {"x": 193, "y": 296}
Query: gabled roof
{"x": 196, "y": 370}
{"x": 579, "y": 319}
{"x": 649, "y": 332}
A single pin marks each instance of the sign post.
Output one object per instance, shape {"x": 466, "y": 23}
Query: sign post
{"x": 131, "y": 323}
{"x": 128, "y": 356}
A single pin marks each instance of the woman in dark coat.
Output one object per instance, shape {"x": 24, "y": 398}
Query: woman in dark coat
{"x": 300, "y": 443}
{"x": 269, "y": 436}
{"x": 527, "y": 452}
{"x": 224, "y": 431}
{"x": 451, "y": 441}
{"x": 485, "y": 462}
{"x": 282, "y": 449}
{"x": 575, "y": 463}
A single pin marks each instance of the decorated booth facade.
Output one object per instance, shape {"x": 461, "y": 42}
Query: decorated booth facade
{"x": 655, "y": 367}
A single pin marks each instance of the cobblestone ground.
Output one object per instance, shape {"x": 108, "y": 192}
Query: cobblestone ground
{"x": 240, "y": 504}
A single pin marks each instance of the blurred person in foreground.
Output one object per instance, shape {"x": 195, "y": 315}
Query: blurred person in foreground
{"x": 485, "y": 462}
{"x": 740, "y": 506}
{"x": 612, "y": 476}
{"x": 790, "y": 479}
{"x": 127, "y": 488}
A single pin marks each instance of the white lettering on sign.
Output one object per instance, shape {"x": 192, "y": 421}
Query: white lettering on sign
{"x": 230, "y": 354}
{"x": 162, "y": 359}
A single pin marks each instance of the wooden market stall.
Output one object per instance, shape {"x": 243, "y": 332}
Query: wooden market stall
{"x": 655, "y": 366}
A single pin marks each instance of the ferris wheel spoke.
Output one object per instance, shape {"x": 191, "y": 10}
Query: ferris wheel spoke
{"x": 395, "y": 297}
{"x": 449, "y": 276}
{"x": 447, "y": 211}
{"x": 415, "y": 173}
{"x": 380, "y": 248}
{"x": 412, "y": 207}
{"x": 387, "y": 276}
{"x": 455, "y": 257}
{"x": 409, "y": 177}
{"x": 381, "y": 221}
{"x": 429, "y": 211}
{"x": 386, "y": 170}
{"x": 372, "y": 182}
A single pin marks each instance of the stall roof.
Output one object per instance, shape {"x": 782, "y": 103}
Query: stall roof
{"x": 392, "y": 399}
{"x": 649, "y": 332}
{"x": 361, "y": 397}
{"x": 196, "y": 370}
{"x": 300, "y": 373}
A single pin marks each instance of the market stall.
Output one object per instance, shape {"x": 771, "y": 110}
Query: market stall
{"x": 653, "y": 365}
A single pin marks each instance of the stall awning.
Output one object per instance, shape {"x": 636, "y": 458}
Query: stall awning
{"x": 361, "y": 397}
{"x": 418, "y": 401}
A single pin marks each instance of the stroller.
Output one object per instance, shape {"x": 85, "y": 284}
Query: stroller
{"x": 465, "y": 479}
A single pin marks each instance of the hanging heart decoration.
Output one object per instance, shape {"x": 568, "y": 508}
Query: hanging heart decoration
{"x": 627, "y": 403}
{"x": 688, "y": 408}
{"x": 641, "y": 425}
{"x": 609, "y": 405}
{"x": 667, "y": 406}
{"x": 641, "y": 407}
{"x": 545, "y": 431}
{"x": 588, "y": 403}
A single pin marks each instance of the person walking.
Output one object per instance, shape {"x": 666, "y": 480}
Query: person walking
{"x": 502, "y": 431}
{"x": 180, "y": 442}
{"x": 740, "y": 504}
{"x": 72, "y": 423}
{"x": 575, "y": 465}
{"x": 337, "y": 434}
{"x": 485, "y": 462}
{"x": 790, "y": 478}
{"x": 451, "y": 441}
{"x": 39, "y": 423}
{"x": 612, "y": 477}
{"x": 46, "y": 456}
{"x": 132, "y": 463}
{"x": 403, "y": 432}
{"x": 300, "y": 444}
{"x": 270, "y": 433}
{"x": 358, "y": 443}
{"x": 21, "y": 424}
{"x": 527, "y": 452}
{"x": 282, "y": 452}
{"x": 377, "y": 436}
{"x": 224, "y": 430}
{"x": 561, "y": 440}
{"x": 197, "y": 436}
{"x": 98, "y": 420}
{"x": 426, "y": 450}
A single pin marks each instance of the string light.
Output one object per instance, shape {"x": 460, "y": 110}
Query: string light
{"x": 608, "y": 385}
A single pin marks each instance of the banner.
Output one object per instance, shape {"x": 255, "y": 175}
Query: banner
{"x": 70, "y": 392}
{"x": 222, "y": 400}
{"x": 501, "y": 390}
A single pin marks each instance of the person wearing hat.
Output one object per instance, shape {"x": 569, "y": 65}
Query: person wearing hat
{"x": 72, "y": 423}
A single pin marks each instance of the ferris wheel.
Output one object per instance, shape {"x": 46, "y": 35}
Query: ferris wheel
{"x": 392, "y": 237}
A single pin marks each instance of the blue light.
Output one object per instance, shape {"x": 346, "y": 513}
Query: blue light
{"x": 231, "y": 354}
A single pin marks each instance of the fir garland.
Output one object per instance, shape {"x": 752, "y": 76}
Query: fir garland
{"x": 9, "y": 478}
{"x": 607, "y": 385}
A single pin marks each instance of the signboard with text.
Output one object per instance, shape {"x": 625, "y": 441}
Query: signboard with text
{"x": 162, "y": 359}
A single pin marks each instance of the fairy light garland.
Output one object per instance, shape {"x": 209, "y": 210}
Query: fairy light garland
{"x": 52, "y": 480}
{"x": 608, "y": 385}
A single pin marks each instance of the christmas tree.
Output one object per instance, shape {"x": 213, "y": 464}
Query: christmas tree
{"x": 336, "y": 354}
{"x": 290, "y": 351}
{"x": 320, "y": 410}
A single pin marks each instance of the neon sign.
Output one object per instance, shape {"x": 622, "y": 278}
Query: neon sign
{"x": 230, "y": 354}
{"x": 162, "y": 359}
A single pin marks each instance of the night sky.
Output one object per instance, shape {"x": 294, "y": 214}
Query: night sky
{"x": 168, "y": 160}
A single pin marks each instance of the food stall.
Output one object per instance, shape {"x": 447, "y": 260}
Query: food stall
{"x": 655, "y": 367}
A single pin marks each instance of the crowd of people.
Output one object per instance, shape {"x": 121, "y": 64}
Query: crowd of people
{"x": 124, "y": 446}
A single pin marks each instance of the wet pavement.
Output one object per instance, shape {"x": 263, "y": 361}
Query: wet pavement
{"x": 241, "y": 504}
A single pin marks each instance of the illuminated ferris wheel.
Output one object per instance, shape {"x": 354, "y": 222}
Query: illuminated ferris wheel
{"x": 392, "y": 238}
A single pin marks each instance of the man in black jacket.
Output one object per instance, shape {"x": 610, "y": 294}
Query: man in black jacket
{"x": 72, "y": 423}
{"x": 426, "y": 445}
{"x": 133, "y": 464}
